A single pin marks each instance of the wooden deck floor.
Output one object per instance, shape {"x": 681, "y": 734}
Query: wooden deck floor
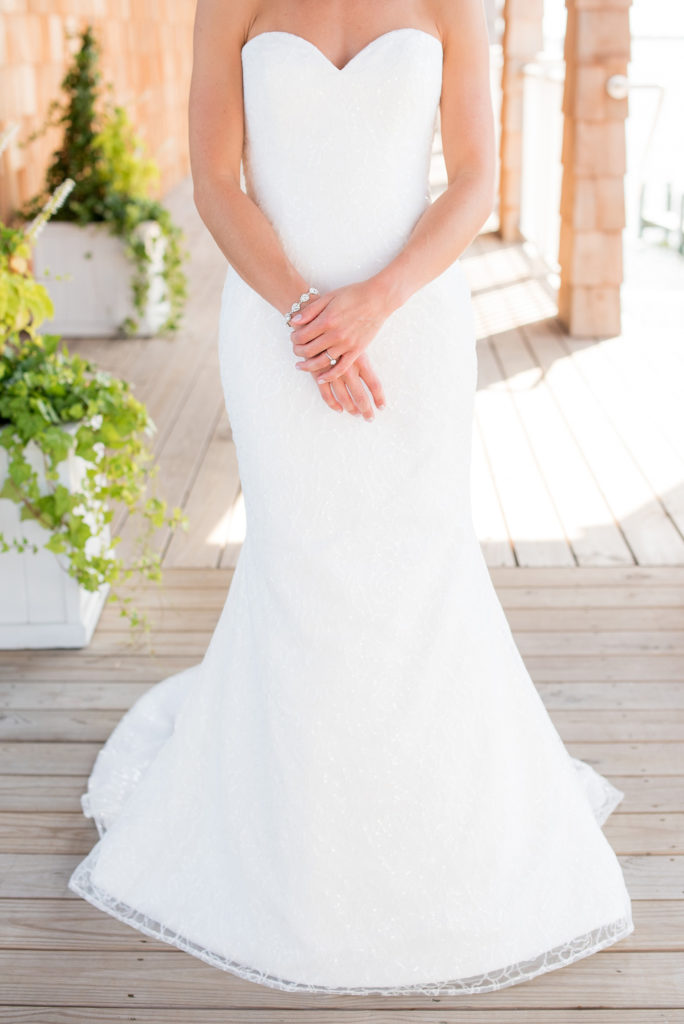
{"x": 605, "y": 647}
{"x": 578, "y": 502}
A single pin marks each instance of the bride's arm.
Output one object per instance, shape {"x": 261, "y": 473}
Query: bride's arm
{"x": 345, "y": 321}
{"x": 240, "y": 228}
{"x": 449, "y": 225}
{"x": 216, "y": 132}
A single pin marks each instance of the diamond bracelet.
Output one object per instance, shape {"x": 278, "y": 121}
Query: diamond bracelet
{"x": 304, "y": 297}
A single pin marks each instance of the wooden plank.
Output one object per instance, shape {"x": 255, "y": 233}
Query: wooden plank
{"x": 657, "y": 642}
{"x": 215, "y": 490}
{"x": 57, "y": 725}
{"x": 645, "y": 833}
{"x": 644, "y": 793}
{"x": 45, "y": 792}
{"x": 179, "y": 455}
{"x": 47, "y": 758}
{"x": 112, "y": 1015}
{"x": 624, "y": 599}
{"x": 533, "y": 522}
{"x": 617, "y": 725}
{"x": 77, "y": 696}
{"x": 46, "y": 832}
{"x": 189, "y": 577}
{"x": 89, "y": 666}
{"x": 587, "y": 519}
{"x": 61, "y": 924}
{"x": 630, "y": 758}
{"x": 597, "y": 620}
{"x": 649, "y": 531}
{"x": 630, "y": 410}
{"x": 162, "y": 978}
{"x": 552, "y": 668}
{"x": 643, "y": 366}
{"x": 559, "y": 576}
{"x": 597, "y": 695}
{"x": 157, "y": 367}
{"x": 40, "y": 875}
{"x": 488, "y": 520}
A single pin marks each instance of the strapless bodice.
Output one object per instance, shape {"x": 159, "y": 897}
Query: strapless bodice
{"x": 339, "y": 159}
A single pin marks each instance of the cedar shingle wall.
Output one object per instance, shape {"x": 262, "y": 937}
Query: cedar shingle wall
{"x": 146, "y": 50}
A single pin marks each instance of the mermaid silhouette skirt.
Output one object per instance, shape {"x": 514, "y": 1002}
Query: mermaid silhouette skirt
{"x": 358, "y": 790}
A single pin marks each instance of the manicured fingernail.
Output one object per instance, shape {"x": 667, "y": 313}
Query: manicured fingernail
{"x": 296, "y": 319}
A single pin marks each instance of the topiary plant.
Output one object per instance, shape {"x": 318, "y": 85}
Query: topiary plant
{"x": 112, "y": 179}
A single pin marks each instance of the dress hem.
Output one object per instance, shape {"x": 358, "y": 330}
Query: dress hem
{"x": 562, "y": 955}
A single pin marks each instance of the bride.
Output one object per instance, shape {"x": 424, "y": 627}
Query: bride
{"x": 358, "y": 790}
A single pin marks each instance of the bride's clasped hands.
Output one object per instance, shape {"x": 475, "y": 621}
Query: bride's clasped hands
{"x": 341, "y": 324}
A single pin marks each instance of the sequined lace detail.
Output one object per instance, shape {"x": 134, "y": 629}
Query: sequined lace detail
{"x": 525, "y": 970}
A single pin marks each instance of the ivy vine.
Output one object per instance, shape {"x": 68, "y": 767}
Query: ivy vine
{"x": 60, "y": 405}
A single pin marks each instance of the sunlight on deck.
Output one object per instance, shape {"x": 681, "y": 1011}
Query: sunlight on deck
{"x": 232, "y": 527}
{"x": 578, "y": 446}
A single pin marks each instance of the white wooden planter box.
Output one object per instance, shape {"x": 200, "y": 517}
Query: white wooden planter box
{"x": 88, "y": 275}
{"x": 40, "y": 604}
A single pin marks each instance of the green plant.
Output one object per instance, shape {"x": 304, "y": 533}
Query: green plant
{"x": 112, "y": 178}
{"x": 131, "y": 172}
{"x": 23, "y": 302}
{"x": 65, "y": 405}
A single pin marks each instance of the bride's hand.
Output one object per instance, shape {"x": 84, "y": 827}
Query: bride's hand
{"x": 349, "y": 390}
{"x": 343, "y": 322}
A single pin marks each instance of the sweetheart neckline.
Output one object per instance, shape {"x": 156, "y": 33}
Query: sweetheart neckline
{"x": 359, "y": 53}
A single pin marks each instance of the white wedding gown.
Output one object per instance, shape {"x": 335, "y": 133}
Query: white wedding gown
{"x": 359, "y": 789}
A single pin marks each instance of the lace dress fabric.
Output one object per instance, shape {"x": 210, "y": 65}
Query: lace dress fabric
{"x": 359, "y": 789}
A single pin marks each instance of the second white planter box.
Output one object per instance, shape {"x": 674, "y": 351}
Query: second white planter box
{"x": 40, "y": 604}
{"x": 88, "y": 275}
